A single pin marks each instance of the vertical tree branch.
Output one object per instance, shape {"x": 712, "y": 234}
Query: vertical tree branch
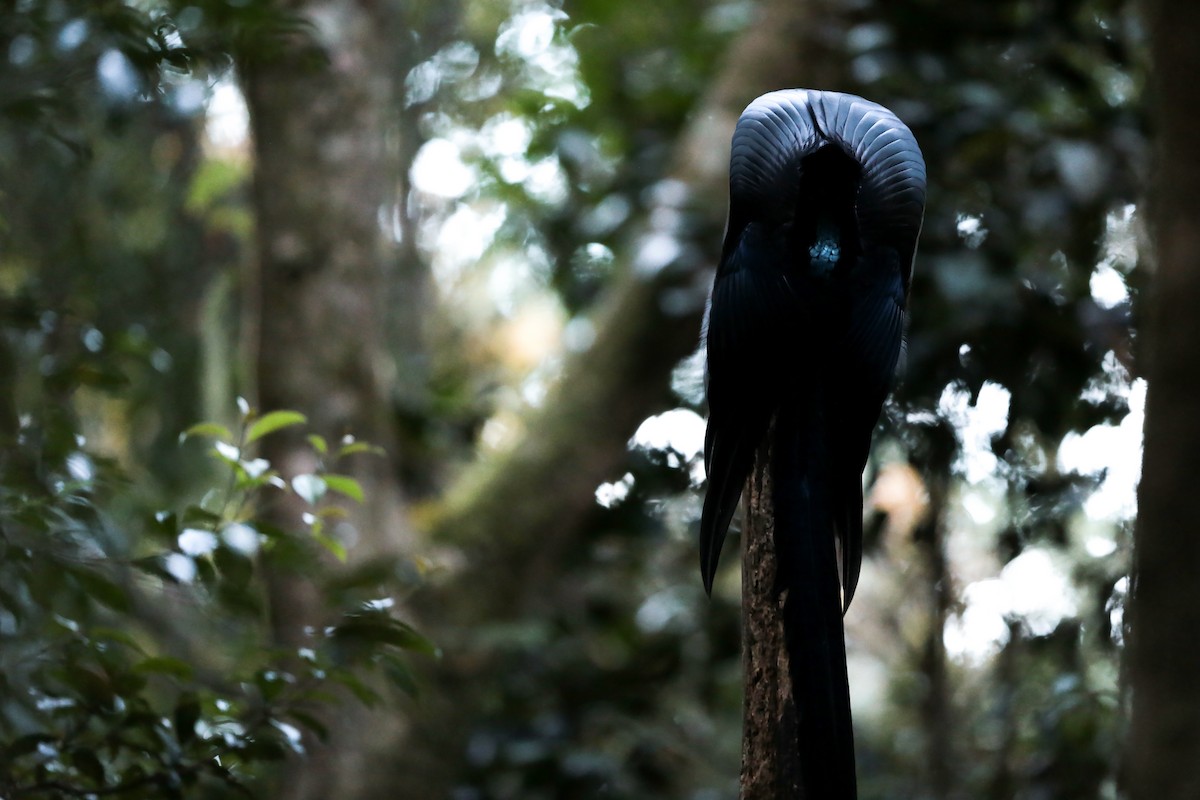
{"x": 935, "y": 462}
{"x": 770, "y": 767}
{"x": 935, "y": 705}
{"x": 1003, "y": 782}
{"x": 1164, "y": 740}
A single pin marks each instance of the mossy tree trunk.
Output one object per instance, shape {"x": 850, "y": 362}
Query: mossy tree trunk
{"x": 319, "y": 106}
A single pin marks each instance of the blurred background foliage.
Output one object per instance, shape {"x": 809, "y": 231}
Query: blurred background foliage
{"x": 543, "y": 194}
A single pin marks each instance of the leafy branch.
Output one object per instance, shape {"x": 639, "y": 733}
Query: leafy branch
{"x": 99, "y": 710}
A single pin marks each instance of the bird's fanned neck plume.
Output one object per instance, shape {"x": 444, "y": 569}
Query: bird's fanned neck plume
{"x": 804, "y": 330}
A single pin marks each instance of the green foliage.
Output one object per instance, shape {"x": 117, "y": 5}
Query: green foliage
{"x": 110, "y": 681}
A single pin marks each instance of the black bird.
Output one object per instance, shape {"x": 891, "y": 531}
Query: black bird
{"x": 804, "y": 330}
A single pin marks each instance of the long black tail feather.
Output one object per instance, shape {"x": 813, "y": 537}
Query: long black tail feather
{"x": 808, "y": 572}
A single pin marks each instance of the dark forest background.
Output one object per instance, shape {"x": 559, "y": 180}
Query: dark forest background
{"x": 351, "y": 413}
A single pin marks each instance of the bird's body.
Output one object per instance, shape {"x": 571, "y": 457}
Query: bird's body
{"x": 804, "y": 331}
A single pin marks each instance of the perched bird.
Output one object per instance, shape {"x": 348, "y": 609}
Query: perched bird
{"x": 804, "y": 331}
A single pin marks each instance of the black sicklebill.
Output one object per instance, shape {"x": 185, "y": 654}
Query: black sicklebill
{"x": 804, "y": 331}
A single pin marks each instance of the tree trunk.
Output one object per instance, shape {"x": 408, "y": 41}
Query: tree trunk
{"x": 936, "y": 715}
{"x": 770, "y": 767}
{"x": 935, "y": 461}
{"x": 318, "y": 112}
{"x": 1164, "y": 738}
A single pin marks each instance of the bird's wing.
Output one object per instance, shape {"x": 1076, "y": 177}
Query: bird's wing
{"x": 870, "y": 349}
{"x": 889, "y": 208}
{"x": 750, "y": 316}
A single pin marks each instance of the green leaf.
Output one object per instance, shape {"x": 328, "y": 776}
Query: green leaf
{"x": 165, "y": 665}
{"x": 344, "y": 484}
{"x": 273, "y": 422}
{"x": 332, "y": 545}
{"x": 311, "y": 723}
{"x": 199, "y": 517}
{"x": 211, "y": 429}
{"x": 400, "y": 675}
{"x": 116, "y": 636}
{"x": 154, "y": 565}
{"x": 365, "y": 694}
{"x": 332, "y": 512}
{"x": 360, "y": 447}
{"x": 318, "y": 443}
{"x": 273, "y": 532}
{"x": 126, "y": 684}
{"x": 87, "y": 684}
{"x": 310, "y": 488}
{"x": 379, "y": 627}
{"x": 408, "y": 638}
{"x": 101, "y": 589}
